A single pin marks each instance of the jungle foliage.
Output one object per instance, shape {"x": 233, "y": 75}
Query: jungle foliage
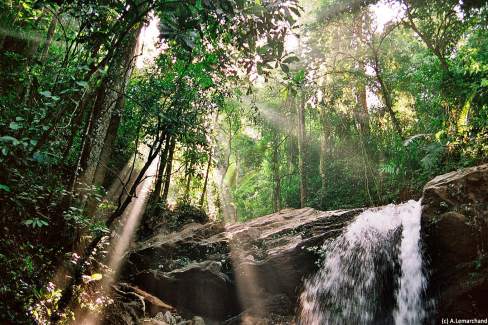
{"x": 247, "y": 107}
{"x": 382, "y": 108}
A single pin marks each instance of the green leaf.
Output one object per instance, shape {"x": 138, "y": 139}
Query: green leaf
{"x": 36, "y": 223}
{"x": 5, "y": 188}
{"x": 15, "y": 126}
{"x": 8, "y": 138}
{"x": 82, "y": 83}
{"x": 46, "y": 93}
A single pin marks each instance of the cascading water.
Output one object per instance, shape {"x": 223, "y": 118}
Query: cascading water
{"x": 372, "y": 273}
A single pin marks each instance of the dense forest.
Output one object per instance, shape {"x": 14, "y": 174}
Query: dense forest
{"x": 228, "y": 110}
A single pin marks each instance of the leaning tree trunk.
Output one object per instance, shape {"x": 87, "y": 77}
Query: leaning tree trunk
{"x": 169, "y": 167}
{"x": 79, "y": 268}
{"x": 429, "y": 42}
{"x": 128, "y": 63}
{"x": 162, "y": 166}
{"x": 109, "y": 94}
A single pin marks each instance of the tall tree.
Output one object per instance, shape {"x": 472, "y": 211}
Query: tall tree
{"x": 276, "y": 170}
{"x": 162, "y": 167}
{"x": 169, "y": 170}
{"x": 302, "y": 147}
{"x": 205, "y": 179}
{"x": 105, "y": 109}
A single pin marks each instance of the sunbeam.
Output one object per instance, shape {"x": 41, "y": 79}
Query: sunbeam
{"x": 123, "y": 234}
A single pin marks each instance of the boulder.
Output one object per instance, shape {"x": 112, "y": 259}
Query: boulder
{"x": 246, "y": 270}
{"x": 197, "y": 289}
{"x": 455, "y": 237}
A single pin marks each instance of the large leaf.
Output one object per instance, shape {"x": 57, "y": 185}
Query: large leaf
{"x": 8, "y": 138}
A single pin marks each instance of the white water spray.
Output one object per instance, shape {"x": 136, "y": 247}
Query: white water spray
{"x": 410, "y": 309}
{"x": 366, "y": 277}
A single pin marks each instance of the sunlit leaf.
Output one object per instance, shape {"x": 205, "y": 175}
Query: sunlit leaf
{"x": 15, "y": 126}
{"x": 46, "y": 93}
{"x": 96, "y": 276}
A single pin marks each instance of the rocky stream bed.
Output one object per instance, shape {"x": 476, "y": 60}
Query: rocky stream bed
{"x": 252, "y": 272}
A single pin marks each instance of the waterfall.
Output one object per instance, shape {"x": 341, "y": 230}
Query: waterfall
{"x": 371, "y": 274}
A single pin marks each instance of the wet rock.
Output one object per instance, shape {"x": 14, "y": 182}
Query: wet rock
{"x": 196, "y": 289}
{"x": 160, "y": 219}
{"x": 455, "y": 235}
{"x": 219, "y": 272}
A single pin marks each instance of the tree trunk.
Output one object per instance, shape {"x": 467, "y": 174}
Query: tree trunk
{"x": 386, "y": 94}
{"x": 83, "y": 151}
{"x": 362, "y": 112}
{"x": 75, "y": 128}
{"x": 275, "y": 167}
{"x": 205, "y": 182}
{"x": 49, "y": 38}
{"x": 227, "y": 158}
{"x": 109, "y": 94}
{"x": 210, "y": 156}
{"x": 428, "y": 42}
{"x": 162, "y": 166}
{"x": 108, "y": 144}
{"x": 169, "y": 166}
{"x": 237, "y": 169}
{"x": 189, "y": 175}
{"x": 323, "y": 157}
{"x": 76, "y": 278}
{"x": 292, "y": 142}
{"x": 302, "y": 150}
